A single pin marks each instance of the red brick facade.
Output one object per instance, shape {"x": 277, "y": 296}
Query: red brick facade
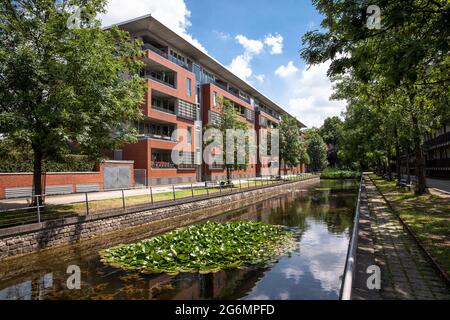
{"x": 71, "y": 180}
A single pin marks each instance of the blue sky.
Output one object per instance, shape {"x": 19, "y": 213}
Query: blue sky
{"x": 259, "y": 40}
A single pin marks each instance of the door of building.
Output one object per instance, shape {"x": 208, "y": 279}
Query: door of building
{"x": 117, "y": 177}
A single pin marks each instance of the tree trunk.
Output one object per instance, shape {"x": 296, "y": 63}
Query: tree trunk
{"x": 389, "y": 171}
{"x": 397, "y": 156}
{"x": 37, "y": 174}
{"x": 408, "y": 169}
{"x": 421, "y": 185}
{"x": 228, "y": 175}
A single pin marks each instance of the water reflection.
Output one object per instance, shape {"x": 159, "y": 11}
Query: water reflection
{"x": 320, "y": 215}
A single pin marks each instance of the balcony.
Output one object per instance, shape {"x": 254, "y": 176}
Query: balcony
{"x": 162, "y": 165}
{"x": 164, "y": 77}
{"x": 262, "y": 121}
{"x": 162, "y": 159}
{"x": 186, "y": 110}
{"x": 441, "y": 140}
{"x": 163, "y": 102}
{"x": 164, "y": 54}
{"x": 234, "y": 92}
{"x": 216, "y": 166}
{"x": 186, "y": 161}
{"x": 438, "y": 163}
{"x": 156, "y": 130}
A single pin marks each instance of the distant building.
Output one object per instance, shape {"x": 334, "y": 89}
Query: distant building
{"x": 183, "y": 86}
{"x": 437, "y": 153}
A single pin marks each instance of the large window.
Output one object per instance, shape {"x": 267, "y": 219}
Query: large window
{"x": 188, "y": 87}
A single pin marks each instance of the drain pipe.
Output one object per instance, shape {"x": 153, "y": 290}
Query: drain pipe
{"x": 350, "y": 264}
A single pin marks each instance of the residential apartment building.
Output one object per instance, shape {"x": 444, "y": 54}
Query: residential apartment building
{"x": 184, "y": 84}
{"x": 437, "y": 153}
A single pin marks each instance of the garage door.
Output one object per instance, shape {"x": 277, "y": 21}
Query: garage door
{"x": 117, "y": 177}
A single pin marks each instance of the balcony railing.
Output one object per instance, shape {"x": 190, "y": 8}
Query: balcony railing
{"x": 438, "y": 163}
{"x": 186, "y": 110}
{"x": 158, "y": 137}
{"x": 166, "y": 110}
{"x": 149, "y": 76}
{"x": 148, "y": 46}
{"x": 216, "y": 166}
{"x": 162, "y": 165}
{"x": 185, "y": 166}
{"x": 232, "y": 92}
{"x": 439, "y": 140}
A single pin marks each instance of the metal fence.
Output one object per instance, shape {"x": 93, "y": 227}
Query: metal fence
{"x": 350, "y": 264}
{"x": 45, "y": 208}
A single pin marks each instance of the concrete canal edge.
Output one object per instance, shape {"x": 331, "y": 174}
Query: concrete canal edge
{"x": 32, "y": 238}
{"x": 383, "y": 241}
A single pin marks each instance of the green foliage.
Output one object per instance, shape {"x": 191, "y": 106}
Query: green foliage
{"x": 331, "y": 173}
{"x": 317, "y": 150}
{"x": 395, "y": 79}
{"x": 60, "y": 85}
{"x": 18, "y": 158}
{"x": 207, "y": 248}
{"x": 69, "y": 163}
{"x": 332, "y": 130}
{"x": 292, "y": 148}
{"x": 230, "y": 121}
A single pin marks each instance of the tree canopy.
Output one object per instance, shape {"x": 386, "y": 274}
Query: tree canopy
{"x": 61, "y": 85}
{"x": 292, "y": 148}
{"x": 395, "y": 79}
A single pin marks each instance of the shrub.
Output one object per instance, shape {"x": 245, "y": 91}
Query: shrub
{"x": 331, "y": 173}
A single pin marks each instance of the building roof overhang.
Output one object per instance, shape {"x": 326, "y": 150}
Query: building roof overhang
{"x": 148, "y": 22}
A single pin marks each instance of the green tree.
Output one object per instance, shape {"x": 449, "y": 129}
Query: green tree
{"x": 61, "y": 85}
{"x": 292, "y": 148}
{"x": 230, "y": 121}
{"x": 408, "y": 55}
{"x": 316, "y": 149}
{"x": 331, "y": 132}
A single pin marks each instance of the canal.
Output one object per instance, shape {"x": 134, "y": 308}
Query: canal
{"x": 320, "y": 215}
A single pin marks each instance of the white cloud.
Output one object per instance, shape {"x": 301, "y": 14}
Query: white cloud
{"x": 250, "y": 46}
{"x": 222, "y": 35}
{"x": 275, "y": 42}
{"x": 241, "y": 66}
{"x": 286, "y": 71}
{"x": 326, "y": 264}
{"x": 172, "y": 13}
{"x": 260, "y": 78}
{"x": 308, "y": 96}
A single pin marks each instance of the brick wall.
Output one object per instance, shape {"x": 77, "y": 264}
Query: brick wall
{"x": 24, "y": 180}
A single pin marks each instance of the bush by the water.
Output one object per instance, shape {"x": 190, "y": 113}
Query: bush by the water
{"x": 339, "y": 174}
{"x": 204, "y": 248}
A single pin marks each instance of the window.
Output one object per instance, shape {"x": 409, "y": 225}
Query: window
{"x": 215, "y": 99}
{"x": 188, "y": 87}
{"x": 189, "y": 135}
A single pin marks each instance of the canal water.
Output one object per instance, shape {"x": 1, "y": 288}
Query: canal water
{"x": 321, "y": 215}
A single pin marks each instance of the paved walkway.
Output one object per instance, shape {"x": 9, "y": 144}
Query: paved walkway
{"x": 439, "y": 184}
{"x": 406, "y": 273}
{"x": 105, "y": 195}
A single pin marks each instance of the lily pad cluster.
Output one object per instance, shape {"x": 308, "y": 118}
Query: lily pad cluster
{"x": 204, "y": 248}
